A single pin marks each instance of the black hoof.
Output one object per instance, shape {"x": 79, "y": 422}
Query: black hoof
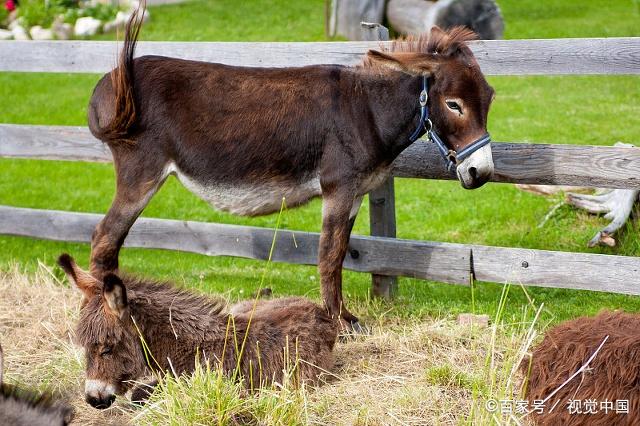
{"x": 352, "y": 329}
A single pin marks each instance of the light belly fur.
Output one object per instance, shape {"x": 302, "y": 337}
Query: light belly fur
{"x": 264, "y": 198}
{"x": 251, "y": 200}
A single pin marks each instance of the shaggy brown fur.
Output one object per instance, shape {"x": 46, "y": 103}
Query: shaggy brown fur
{"x": 178, "y": 326}
{"x": 19, "y": 407}
{"x": 244, "y": 138}
{"x": 613, "y": 375}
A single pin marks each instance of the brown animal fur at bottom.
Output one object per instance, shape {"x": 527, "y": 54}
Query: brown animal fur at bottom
{"x": 19, "y": 407}
{"x": 179, "y": 326}
{"x": 613, "y": 375}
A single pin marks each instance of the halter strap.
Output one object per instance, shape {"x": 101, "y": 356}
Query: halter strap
{"x": 450, "y": 156}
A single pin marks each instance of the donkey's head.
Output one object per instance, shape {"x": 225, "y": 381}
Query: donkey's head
{"x": 113, "y": 349}
{"x": 459, "y": 96}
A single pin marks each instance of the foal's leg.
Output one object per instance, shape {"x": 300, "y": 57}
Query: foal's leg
{"x": 334, "y": 240}
{"x": 136, "y": 184}
{"x": 142, "y": 392}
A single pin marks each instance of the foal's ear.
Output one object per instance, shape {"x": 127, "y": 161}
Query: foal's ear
{"x": 408, "y": 62}
{"x": 115, "y": 294}
{"x": 83, "y": 280}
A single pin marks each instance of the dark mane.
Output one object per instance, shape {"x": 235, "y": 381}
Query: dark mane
{"x": 439, "y": 42}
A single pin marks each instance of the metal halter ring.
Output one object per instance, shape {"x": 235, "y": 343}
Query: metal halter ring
{"x": 452, "y": 156}
{"x": 423, "y": 98}
{"x": 428, "y": 125}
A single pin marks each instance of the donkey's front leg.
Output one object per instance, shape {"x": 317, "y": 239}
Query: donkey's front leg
{"x": 142, "y": 392}
{"x": 337, "y": 222}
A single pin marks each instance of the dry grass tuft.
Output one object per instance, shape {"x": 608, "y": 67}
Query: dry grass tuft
{"x": 422, "y": 374}
{"x": 427, "y": 372}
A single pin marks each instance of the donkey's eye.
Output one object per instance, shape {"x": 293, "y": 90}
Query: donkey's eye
{"x": 454, "y": 106}
{"x": 105, "y": 351}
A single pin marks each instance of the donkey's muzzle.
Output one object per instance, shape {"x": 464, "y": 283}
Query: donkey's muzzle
{"x": 101, "y": 402}
{"x": 476, "y": 169}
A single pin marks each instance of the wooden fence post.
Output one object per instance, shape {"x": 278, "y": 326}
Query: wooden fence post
{"x": 382, "y": 209}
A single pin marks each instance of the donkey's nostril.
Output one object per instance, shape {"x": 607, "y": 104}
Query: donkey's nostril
{"x": 473, "y": 172}
{"x": 100, "y": 403}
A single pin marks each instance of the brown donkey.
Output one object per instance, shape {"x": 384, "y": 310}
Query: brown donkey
{"x": 607, "y": 392}
{"x": 178, "y": 326}
{"x": 19, "y": 407}
{"x": 243, "y": 138}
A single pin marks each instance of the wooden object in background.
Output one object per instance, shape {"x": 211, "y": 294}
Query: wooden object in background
{"x": 417, "y": 16}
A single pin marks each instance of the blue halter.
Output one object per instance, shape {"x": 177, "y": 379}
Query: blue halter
{"x": 450, "y": 156}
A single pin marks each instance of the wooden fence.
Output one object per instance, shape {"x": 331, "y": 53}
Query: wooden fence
{"x": 609, "y": 167}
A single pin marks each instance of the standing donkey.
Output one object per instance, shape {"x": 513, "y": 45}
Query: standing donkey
{"x": 243, "y": 138}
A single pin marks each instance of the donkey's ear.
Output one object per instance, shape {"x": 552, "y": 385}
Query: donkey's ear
{"x": 407, "y": 62}
{"x": 84, "y": 281}
{"x": 115, "y": 294}
{"x": 385, "y": 59}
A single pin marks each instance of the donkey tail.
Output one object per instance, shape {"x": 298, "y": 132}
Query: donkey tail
{"x": 124, "y": 113}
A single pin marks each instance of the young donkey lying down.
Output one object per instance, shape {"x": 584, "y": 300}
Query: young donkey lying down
{"x": 177, "y": 326}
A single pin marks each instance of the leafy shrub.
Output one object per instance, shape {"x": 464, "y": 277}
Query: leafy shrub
{"x": 103, "y": 12}
{"x": 43, "y": 13}
{"x": 65, "y": 4}
{"x": 36, "y": 12}
{"x": 4, "y": 14}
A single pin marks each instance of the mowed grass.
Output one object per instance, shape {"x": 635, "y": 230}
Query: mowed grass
{"x": 596, "y": 110}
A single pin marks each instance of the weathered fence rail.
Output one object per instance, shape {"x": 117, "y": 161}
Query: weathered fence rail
{"x": 446, "y": 262}
{"x": 453, "y": 263}
{"x": 597, "y": 166}
{"x": 496, "y": 57}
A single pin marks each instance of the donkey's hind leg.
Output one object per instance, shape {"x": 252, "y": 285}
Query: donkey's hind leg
{"x": 137, "y": 182}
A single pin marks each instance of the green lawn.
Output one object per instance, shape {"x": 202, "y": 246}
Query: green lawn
{"x": 570, "y": 110}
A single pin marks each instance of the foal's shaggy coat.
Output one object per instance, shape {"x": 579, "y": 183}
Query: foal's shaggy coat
{"x": 19, "y": 407}
{"x": 178, "y": 326}
{"x": 613, "y": 375}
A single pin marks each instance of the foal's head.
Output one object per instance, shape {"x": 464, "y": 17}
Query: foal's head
{"x": 113, "y": 349}
{"x": 459, "y": 95}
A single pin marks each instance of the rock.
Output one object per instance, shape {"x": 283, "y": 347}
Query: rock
{"x": 87, "y": 26}
{"x": 117, "y": 23}
{"x": 111, "y": 26}
{"x": 39, "y": 33}
{"x": 62, "y": 30}
{"x": 5, "y": 34}
{"x": 19, "y": 33}
{"x": 481, "y": 321}
{"x": 15, "y": 23}
{"x": 134, "y": 5}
